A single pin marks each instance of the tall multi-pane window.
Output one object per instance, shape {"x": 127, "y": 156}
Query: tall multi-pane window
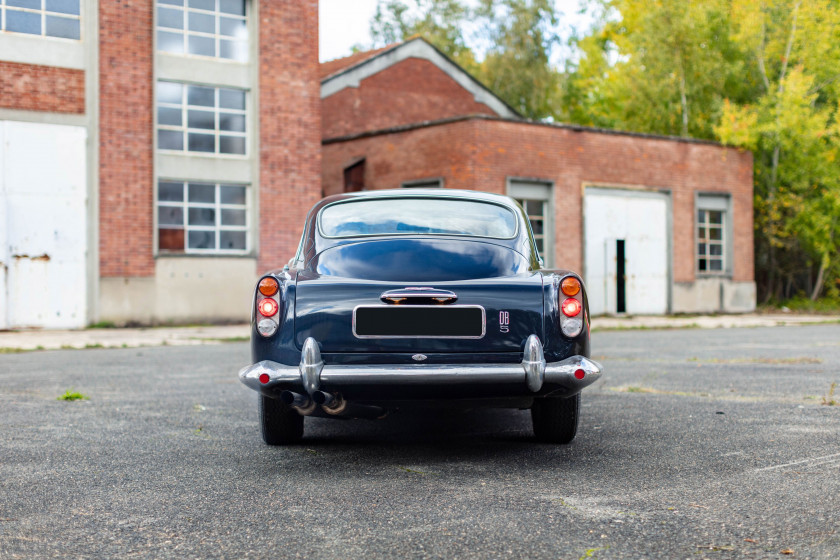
{"x": 535, "y": 198}
{"x": 711, "y": 241}
{"x": 537, "y": 211}
{"x": 200, "y": 118}
{"x": 53, "y": 18}
{"x": 196, "y": 217}
{"x": 216, "y": 28}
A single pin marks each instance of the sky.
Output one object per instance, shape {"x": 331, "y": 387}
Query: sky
{"x": 344, "y": 23}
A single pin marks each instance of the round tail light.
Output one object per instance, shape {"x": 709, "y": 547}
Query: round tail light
{"x": 571, "y": 307}
{"x": 570, "y": 286}
{"x": 267, "y": 307}
{"x": 268, "y": 287}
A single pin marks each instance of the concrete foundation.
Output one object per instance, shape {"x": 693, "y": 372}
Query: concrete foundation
{"x": 183, "y": 290}
{"x": 713, "y": 295}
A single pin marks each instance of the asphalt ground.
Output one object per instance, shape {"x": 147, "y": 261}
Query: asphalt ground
{"x": 695, "y": 444}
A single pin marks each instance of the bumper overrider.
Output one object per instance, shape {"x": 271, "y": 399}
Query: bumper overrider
{"x": 313, "y": 377}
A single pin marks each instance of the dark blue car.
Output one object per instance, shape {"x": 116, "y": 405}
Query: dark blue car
{"x": 416, "y": 298}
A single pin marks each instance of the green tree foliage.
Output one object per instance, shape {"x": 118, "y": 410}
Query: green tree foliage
{"x": 518, "y": 35}
{"x": 792, "y": 126}
{"x": 758, "y": 74}
{"x": 658, "y": 67}
{"x": 516, "y": 66}
{"x": 441, "y": 22}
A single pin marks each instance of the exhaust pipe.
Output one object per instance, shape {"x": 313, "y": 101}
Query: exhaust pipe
{"x": 302, "y": 403}
{"x": 327, "y": 400}
{"x": 335, "y": 405}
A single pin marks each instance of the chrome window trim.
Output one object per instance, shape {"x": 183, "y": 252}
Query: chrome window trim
{"x": 438, "y": 307}
{"x": 408, "y": 197}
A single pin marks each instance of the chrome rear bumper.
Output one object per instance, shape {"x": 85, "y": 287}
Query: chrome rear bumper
{"x": 312, "y": 375}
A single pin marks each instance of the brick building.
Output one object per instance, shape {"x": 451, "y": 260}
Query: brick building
{"x": 655, "y": 224}
{"x": 155, "y": 155}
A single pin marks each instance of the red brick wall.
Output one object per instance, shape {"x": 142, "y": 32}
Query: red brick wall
{"x": 481, "y": 154}
{"x": 290, "y": 124}
{"x": 125, "y": 142}
{"x": 410, "y": 91}
{"x": 42, "y": 88}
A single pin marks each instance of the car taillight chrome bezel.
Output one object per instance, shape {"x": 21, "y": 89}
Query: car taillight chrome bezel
{"x": 569, "y": 298}
{"x": 268, "y": 289}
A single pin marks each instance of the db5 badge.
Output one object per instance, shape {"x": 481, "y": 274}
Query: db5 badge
{"x": 504, "y": 321}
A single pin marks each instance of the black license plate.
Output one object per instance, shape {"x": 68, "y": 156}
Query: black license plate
{"x": 420, "y": 321}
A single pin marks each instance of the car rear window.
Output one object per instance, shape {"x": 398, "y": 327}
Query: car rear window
{"x": 417, "y": 216}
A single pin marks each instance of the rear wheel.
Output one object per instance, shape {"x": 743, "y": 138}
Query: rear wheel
{"x": 279, "y": 424}
{"x": 556, "y": 419}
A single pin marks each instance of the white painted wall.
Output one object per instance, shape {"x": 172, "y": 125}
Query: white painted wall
{"x": 43, "y": 219}
{"x": 640, "y": 218}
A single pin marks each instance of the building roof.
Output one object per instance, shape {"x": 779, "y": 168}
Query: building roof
{"x": 524, "y": 122}
{"x": 338, "y": 65}
{"x": 349, "y": 71}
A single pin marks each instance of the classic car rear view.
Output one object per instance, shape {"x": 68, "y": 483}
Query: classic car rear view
{"x": 416, "y": 298}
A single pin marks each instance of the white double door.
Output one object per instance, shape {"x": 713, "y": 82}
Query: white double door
{"x": 43, "y": 225}
{"x": 626, "y": 262}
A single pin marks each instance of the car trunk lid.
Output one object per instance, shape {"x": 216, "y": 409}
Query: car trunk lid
{"x": 485, "y": 315}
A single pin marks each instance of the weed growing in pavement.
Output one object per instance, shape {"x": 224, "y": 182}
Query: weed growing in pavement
{"x": 72, "y": 396}
{"x": 590, "y": 553}
{"x": 828, "y": 400}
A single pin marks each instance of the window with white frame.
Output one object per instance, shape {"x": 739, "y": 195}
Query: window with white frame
{"x": 535, "y": 198}
{"x": 712, "y": 234}
{"x": 216, "y": 28}
{"x": 196, "y": 217}
{"x": 200, "y": 119}
{"x": 51, "y": 18}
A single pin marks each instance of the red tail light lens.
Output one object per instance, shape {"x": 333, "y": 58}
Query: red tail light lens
{"x": 267, "y": 307}
{"x": 570, "y": 286}
{"x": 571, "y": 307}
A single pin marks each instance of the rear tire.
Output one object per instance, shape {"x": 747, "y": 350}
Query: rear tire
{"x": 556, "y": 419}
{"x": 279, "y": 424}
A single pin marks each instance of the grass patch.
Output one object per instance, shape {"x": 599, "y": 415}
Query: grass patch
{"x": 650, "y": 391}
{"x": 590, "y": 553}
{"x": 225, "y": 340}
{"x": 776, "y": 361}
{"x": 647, "y": 327}
{"x": 802, "y": 305}
{"x": 103, "y": 325}
{"x": 10, "y": 350}
{"x": 828, "y": 399}
{"x": 70, "y": 395}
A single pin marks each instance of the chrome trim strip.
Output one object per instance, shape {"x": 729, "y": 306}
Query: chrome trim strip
{"x": 442, "y": 307}
{"x": 442, "y": 296}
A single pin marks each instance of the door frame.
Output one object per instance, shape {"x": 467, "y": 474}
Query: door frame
{"x": 641, "y": 191}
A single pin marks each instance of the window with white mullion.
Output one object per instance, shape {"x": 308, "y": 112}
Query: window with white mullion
{"x": 710, "y": 241}
{"x": 202, "y": 119}
{"x": 52, "y": 18}
{"x": 198, "y": 217}
{"x": 212, "y": 28}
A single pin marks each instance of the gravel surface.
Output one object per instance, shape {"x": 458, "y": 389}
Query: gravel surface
{"x": 696, "y": 444}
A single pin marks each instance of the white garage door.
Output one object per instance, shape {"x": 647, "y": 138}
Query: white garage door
{"x": 626, "y": 252}
{"x": 42, "y": 225}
